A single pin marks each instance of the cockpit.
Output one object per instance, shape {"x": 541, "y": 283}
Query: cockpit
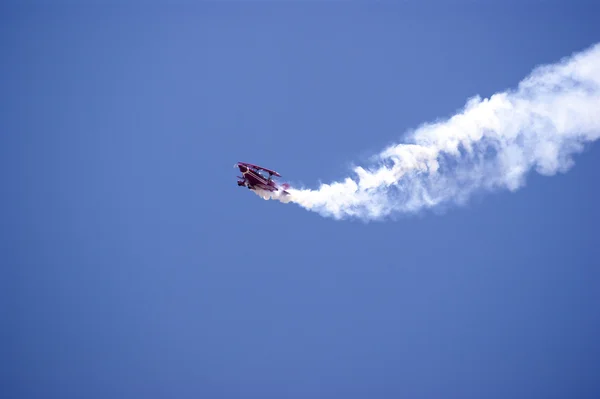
{"x": 263, "y": 175}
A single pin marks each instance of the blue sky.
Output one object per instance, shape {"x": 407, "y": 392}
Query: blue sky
{"x": 134, "y": 266}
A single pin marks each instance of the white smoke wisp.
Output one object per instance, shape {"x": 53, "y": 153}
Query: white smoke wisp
{"x": 491, "y": 144}
{"x": 273, "y": 195}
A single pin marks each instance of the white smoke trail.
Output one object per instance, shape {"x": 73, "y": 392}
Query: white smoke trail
{"x": 493, "y": 143}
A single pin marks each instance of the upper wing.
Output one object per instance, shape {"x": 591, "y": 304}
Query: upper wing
{"x": 260, "y": 168}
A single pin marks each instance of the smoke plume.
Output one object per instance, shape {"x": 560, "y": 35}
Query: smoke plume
{"x": 491, "y": 144}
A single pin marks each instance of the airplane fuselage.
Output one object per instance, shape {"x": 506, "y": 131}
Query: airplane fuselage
{"x": 254, "y": 180}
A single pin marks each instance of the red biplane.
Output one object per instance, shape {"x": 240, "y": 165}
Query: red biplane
{"x": 253, "y": 178}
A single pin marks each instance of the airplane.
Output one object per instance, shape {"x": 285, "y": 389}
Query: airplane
{"x": 253, "y": 178}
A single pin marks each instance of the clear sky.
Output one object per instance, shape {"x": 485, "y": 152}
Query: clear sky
{"x": 133, "y": 266}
